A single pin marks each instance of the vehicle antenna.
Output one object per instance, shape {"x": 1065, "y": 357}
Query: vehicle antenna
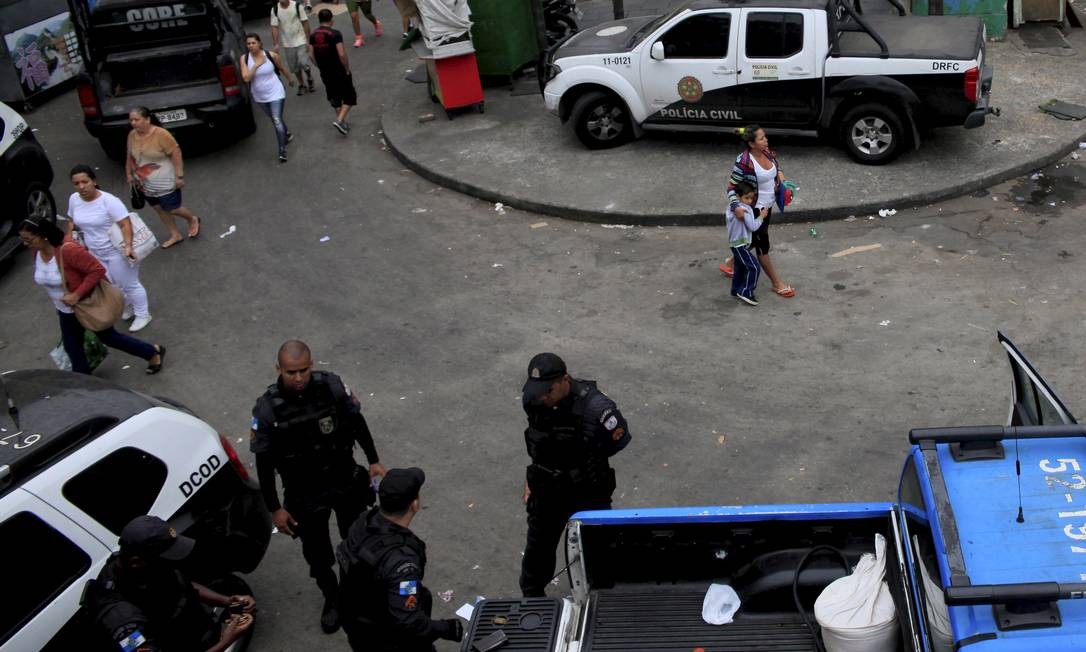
{"x": 12, "y": 410}
{"x": 1018, "y": 471}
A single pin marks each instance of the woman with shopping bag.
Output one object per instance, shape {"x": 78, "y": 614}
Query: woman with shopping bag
{"x": 83, "y": 297}
{"x": 94, "y": 213}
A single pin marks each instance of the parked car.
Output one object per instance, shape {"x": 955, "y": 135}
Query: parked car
{"x": 179, "y": 59}
{"x": 872, "y": 83}
{"x": 79, "y": 458}
{"x": 25, "y": 176}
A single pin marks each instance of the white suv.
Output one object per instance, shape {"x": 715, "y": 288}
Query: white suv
{"x": 79, "y": 458}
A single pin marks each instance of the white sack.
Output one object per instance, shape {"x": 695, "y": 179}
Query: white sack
{"x": 443, "y": 20}
{"x": 856, "y": 612}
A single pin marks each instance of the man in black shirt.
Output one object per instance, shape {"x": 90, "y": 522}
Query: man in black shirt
{"x": 305, "y": 427}
{"x": 326, "y": 49}
{"x": 573, "y": 428}
{"x": 143, "y": 601}
{"x": 385, "y": 605}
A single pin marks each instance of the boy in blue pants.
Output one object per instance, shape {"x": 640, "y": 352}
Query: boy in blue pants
{"x": 747, "y": 269}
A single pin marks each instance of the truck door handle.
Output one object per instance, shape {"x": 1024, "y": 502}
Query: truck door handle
{"x": 795, "y": 72}
{"x": 724, "y": 71}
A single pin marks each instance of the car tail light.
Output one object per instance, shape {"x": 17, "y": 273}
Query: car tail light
{"x": 972, "y": 84}
{"x": 87, "y": 100}
{"x": 228, "y": 75}
{"x": 235, "y": 461}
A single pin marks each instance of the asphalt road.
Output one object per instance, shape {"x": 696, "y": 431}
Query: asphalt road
{"x": 430, "y": 304}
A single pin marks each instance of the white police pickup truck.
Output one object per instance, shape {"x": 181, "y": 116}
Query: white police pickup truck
{"x": 873, "y": 82}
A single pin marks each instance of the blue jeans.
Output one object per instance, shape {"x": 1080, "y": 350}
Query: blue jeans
{"x": 275, "y": 112}
{"x": 71, "y": 334}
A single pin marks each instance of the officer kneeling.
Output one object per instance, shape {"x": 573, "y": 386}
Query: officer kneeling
{"x": 384, "y": 606}
{"x": 143, "y": 601}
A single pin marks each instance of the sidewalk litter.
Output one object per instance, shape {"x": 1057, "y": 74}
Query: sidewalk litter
{"x": 499, "y": 208}
{"x": 232, "y": 229}
{"x": 887, "y": 212}
{"x": 539, "y": 225}
{"x": 855, "y": 250}
{"x": 326, "y": 238}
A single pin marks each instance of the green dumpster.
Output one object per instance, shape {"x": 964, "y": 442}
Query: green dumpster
{"x": 504, "y": 34}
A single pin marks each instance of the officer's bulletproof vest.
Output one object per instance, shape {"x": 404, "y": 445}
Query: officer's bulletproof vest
{"x": 561, "y": 439}
{"x": 310, "y": 440}
{"x": 364, "y": 590}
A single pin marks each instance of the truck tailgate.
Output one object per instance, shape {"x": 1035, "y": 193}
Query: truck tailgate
{"x": 668, "y": 618}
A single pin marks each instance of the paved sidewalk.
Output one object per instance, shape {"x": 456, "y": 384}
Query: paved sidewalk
{"x": 518, "y": 154}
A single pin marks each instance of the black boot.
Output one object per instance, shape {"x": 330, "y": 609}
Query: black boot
{"x": 330, "y": 616}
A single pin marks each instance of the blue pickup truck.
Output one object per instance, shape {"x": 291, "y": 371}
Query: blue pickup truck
{"x": 985, "y": 551}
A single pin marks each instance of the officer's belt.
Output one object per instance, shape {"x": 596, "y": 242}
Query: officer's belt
{"x": 573, "y": 475}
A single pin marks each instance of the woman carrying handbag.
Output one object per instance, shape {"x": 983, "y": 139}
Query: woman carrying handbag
{"x": 76, "y": 282}
{"x": 94, "y": 212}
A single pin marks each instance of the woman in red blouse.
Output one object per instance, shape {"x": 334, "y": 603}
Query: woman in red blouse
{"x": 68, "y": 272}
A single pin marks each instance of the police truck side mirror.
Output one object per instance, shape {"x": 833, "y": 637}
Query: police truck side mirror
{"x": 657, "y": 51}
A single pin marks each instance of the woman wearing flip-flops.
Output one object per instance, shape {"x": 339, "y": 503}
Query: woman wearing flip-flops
{"x": 758, "y": 166}
{"x": 155, "y": 166}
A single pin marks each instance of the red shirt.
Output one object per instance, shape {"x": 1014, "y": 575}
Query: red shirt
{"x": 81, "y": 270}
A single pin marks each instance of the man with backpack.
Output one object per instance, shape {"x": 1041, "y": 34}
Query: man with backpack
{"x": 384, "y": 606}
{"x": 290, "y": 35}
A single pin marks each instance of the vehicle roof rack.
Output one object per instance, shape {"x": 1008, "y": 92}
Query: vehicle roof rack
{"x": 962, "y": 434}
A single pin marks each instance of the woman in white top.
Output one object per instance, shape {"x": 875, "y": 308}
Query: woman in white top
{"x": 67, "y": 273}
{"x": 261, "y": 69}
{"x": 93, "y": 211}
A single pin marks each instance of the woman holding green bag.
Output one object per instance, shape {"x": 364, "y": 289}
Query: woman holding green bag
{"x": 69, "y": 273}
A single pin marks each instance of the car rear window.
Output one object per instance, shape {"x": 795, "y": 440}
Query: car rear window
{"x": 118, "y": 487}
{"x": 41, "y": 563}
{"x": 132, "y": 74}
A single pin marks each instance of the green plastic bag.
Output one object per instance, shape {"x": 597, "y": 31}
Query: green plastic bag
{"x": 93, "y": 348}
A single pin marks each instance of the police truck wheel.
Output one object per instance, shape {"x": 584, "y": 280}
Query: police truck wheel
{"x": 872, "y": 134}
{"x": 601, "y": 121}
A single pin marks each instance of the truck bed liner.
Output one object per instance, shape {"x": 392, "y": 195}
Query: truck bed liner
{"x": 668, "y": 619}
{"x": 955, "y": 38}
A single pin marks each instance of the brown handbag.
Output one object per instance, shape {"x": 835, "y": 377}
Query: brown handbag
{"x": 101, "y": 308}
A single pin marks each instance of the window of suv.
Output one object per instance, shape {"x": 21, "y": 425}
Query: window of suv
{"x": 41, "y": 561}
{"x": 704, "y": 36}
{"x": 774, "y": 35}
{"x": 117, "y": 488}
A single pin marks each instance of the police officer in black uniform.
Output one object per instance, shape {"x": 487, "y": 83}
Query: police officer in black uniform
{"x": 573, "y": 428}
{"x": 143, "y": 601}
{"x": 384, "y": 605}
{"x": 305, "y": 427}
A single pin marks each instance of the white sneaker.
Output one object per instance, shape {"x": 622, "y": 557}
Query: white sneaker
{"x": 139, "y": 323}
{"x": 127, "y": 314}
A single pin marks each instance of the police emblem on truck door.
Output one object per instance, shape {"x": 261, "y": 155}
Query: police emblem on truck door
{"x": 690, "y": 89}
{"x": 327, "y": 425}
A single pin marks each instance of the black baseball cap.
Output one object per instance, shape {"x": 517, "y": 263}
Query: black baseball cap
{"x": 150, "y": 536}
{"x": 543, "y": 370}
{"x": 399, "y": 487}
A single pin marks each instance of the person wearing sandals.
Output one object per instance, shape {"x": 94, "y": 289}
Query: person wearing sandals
{"x": 155, "y": 167}
{"x": 758, "y": 165}
{"x": 261, "y": 70}
{"x": 68, "y": 272}
{"x": 93, "y": 211}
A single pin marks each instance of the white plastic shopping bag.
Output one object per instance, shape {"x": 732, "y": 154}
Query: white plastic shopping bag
{"x": 720, "y": 604}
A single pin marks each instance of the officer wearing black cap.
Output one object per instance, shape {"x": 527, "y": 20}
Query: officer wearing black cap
{"x": 305, "y": 427}
{"x": 143, "y": 601}
{"x": 384, "y": 605}
{"x": 573, "y": 428}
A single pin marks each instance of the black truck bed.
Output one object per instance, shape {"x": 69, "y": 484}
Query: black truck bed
{"x": 954, "y": 38}
{"x": 668, "y": 619}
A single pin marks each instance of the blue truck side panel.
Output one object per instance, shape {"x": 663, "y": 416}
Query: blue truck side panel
{"x": 732, "y": 513}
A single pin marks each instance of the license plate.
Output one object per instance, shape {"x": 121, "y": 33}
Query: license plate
{"x": 172, "y": 116}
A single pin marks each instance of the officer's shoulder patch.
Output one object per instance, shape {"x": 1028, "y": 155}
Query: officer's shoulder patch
{"x": 611, "y": 423}
{"x": 410, "y": 587}
{"x": 255, "y": 424}
{"x": 406, "y": 568}
{"x": 411, "y": 602}
{"x": 132, "y": 642}
{"x": 606, "y": 413}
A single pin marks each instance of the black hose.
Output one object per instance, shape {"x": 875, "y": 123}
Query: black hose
{"x": 811, "y": 627}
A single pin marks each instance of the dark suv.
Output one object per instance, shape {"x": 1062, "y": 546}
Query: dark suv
{"x": 178, "y": 59}
{"x": 25, "y": 175}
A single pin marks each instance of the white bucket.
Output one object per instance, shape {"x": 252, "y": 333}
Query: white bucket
{"x": 856, "y": 612}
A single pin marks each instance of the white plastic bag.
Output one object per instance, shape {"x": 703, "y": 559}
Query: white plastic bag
{"x": 720, "y": 604}
{"x": 857, "y": 612}
{"x": 942, "y": 639}
{"x": 60, "y": 358}
{"x": 143, "y": 239}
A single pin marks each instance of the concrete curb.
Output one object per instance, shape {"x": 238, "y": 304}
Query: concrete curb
{"x": 1050, "y": 155}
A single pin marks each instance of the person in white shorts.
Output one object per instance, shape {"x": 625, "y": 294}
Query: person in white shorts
{"x": 290, "y": 37}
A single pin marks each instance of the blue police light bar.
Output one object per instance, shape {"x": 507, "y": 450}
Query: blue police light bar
{"x": 982, "y": 594}
{"x": 960, "y": 434}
